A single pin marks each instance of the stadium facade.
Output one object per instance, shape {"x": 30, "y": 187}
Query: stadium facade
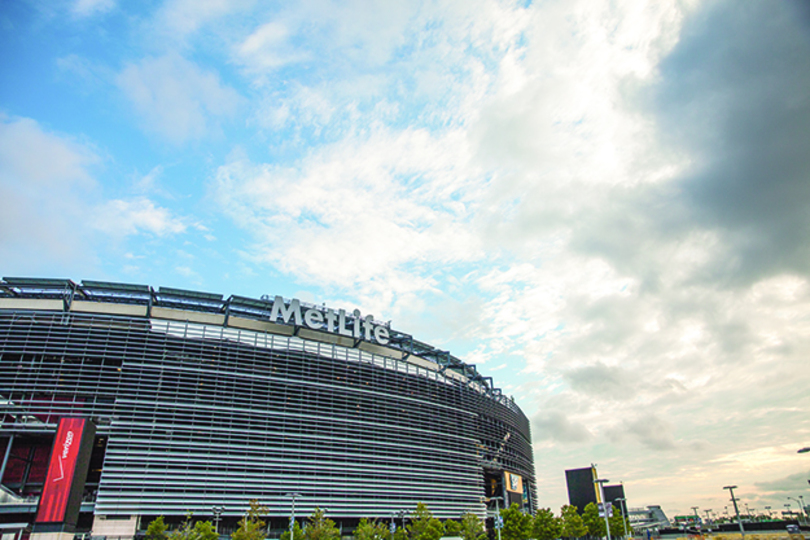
{"x": 200, "y": 403}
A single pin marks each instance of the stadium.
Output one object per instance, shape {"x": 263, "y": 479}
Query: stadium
{"x": 197, "y": 403}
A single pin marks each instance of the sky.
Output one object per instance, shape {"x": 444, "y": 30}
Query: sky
{"x": 605, "y": 206}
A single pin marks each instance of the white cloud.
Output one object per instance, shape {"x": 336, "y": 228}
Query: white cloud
{"x": 128, "y": 217}
{"x": 51, "y": 209}
{"x": 175, "y": 98}
{"x": 267, "y": 48}
{"x": 377, "y": 205}
{"x": 30, "y": 155}
{"x": 87, "y": 8}
{"x": 178, "y": 20}
{"x": 44, "y": 180}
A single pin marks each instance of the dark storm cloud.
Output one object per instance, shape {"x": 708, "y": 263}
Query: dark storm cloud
{"x": 734, "y": 96}
{"x": 732, "y": 101}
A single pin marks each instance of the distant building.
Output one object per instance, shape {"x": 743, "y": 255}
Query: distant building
{"x": 582, "y": 489}
{"x": 614, "y": 494}
{"x": 651, "y": 517}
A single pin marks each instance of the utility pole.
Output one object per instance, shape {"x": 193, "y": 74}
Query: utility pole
{"x": 736, "y": 510}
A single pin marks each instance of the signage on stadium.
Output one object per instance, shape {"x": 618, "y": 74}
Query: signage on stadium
{"x": 64, "y": 484}
{"x": 337, "y": 322}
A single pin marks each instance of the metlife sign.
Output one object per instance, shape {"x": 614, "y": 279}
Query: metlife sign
{"x": 336, "y": 322}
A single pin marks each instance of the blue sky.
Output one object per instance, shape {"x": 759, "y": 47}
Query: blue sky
{"x": 604, "y": 206}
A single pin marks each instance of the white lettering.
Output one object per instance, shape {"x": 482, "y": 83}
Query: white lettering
{"x": 357, "y": 320}
{"x": 66, "y": 445}
{"x": 294, "y": 311}
{"x": 330, "y": 320}
{"x": 335, "y": 322}
{"x": 313, "y": 319}
{"x": 342, "y": 330}
{"x": 381, "y": 335}
{"x": 368, "y": 327}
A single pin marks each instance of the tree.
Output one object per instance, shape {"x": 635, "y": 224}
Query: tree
{"x": 452, "y": 528}
{"x": 251, "y": 527}
{"x": 593, "y": 521}
{"x": 516, "y": 524}
{"x": 573, "y": 527}
{"x": 201, "y": 530}
{"x": 298, "y": 532}
{"x": 319, "y": 527}
{"x": 423, "y": 525}
{"x": 472, "y": 528}
{"x": 205, "y": 530}
{"x": 546, "y": 526}
{"x": 157, "y": 530}
{"x": 371, "y": 530}
{"x": 617, "y": 523}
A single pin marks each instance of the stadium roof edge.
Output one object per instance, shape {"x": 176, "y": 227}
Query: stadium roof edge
{"x": 260, "y": 309}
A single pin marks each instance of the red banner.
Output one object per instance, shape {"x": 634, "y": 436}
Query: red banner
{"x": 55, "y": 493}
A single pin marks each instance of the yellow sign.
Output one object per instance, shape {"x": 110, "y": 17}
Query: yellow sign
{"x": 514, "y": 483}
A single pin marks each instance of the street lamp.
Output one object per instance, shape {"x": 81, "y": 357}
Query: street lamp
{"x": 601, "y": 482}
{"x": 797, "y": 502}
{"x": 708, "y": 519}
{"x": 697, "y": 518}
{"x": 497, "y": 521}
{"x": 402, "y": 514}
{"x": 217, "y": 510}
{"x": 804, "y": 509}
{"x": 621, "y": 508}
{"x": 736, "y": 510}
{"x": 292, "y": 514}
{"x": 768, "y": 508}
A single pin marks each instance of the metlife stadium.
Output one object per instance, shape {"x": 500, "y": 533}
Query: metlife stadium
{"x": 201, "y": 403}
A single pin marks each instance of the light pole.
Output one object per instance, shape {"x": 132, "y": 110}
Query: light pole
{"x": 292, "y": 514}
{"x": 697, "y": 518}
{"x": 736, "y": 510}
{"x": 804, "y": 509}
{"x": 789, "y": 511}
{"x": 622, "y": 502}
{"x": 708, "y": 519}
{"x": 497, "y": 521}
{"x": 797, "y": 502}
{"x": 601, "y": 482}
{"x": 768, "y": 509}
{"x": 217, "y": 510}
